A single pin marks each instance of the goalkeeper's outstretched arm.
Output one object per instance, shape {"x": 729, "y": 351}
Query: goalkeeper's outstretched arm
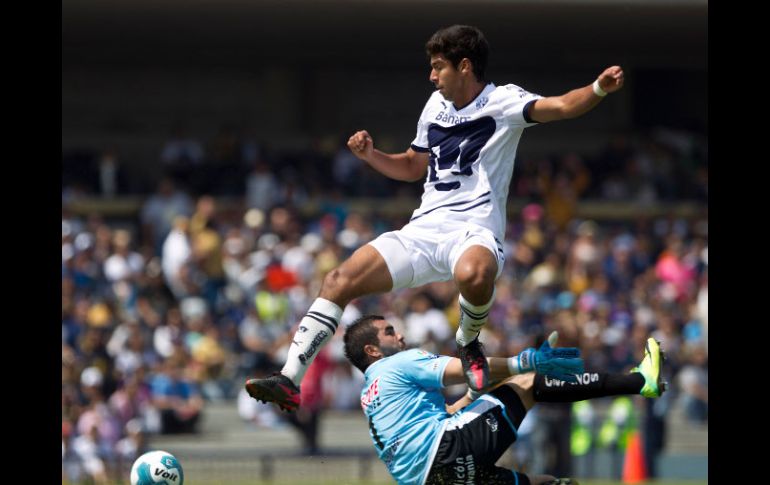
{"x": 562, "y": 363}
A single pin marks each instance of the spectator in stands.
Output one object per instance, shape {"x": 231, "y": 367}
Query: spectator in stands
{"x": 169, "y": 336}
{"x": 561, "y": 192}
{"x": 206, "y": 244}
{"x": 159, "y": 211}
{"x": 346, "y": 169}
{"x": 132, "y": 402}
{"x": 124, "y": 268}
{"x": 307, "y": 418}
{"x": 257, "y": 340}
{"x": 175, "y": 255}
{"x": 262, "y": 187}
{"x": 693, "y": 382}
{"x": 584, "y": 258}
{"x": 86, "y": 448}
{"x": 111, "y": 174}
{"x": 177, "y": 398}
{"x": 134, "y": 444}
{"x": 426, "y": 325}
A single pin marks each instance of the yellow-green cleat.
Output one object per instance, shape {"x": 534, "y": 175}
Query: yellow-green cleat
{"x": 654, "y": 386}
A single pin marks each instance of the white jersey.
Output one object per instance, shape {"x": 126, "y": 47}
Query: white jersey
{"x": 471, "y": 154}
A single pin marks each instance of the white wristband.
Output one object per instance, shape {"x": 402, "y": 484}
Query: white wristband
{"x": 513, "y": 365}
{"x": 598, "y": 90}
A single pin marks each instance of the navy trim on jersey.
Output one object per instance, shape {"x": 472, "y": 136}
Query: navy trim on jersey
{"x": 471, "y": 207}
{"x": 420, "y": 149}
{"x": 455, "y": 203}
{"x": 525, "y": 112}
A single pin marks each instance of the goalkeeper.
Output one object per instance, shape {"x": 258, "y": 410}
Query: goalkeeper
{"x": 423, "y": 440}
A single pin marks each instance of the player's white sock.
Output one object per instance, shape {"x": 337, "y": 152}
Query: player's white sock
{"x": 316, "y": 328}
{"x": 472, "y": 318}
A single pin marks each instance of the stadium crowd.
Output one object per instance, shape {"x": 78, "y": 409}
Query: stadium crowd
{"x": 176, "y": 309}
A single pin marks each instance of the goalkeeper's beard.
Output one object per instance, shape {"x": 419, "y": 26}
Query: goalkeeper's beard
{"x": 388, "y": 350}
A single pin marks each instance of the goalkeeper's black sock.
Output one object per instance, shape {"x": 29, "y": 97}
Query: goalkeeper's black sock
{"x": 590, "y": 385}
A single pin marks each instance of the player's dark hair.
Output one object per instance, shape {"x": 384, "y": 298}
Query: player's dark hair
{"x": 458, "y": 42}
{"x": 360, "y": 333}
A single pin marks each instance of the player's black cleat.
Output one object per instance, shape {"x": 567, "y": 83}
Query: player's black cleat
{"x": 275, "y": 388}
{"x": 475, "y": 365}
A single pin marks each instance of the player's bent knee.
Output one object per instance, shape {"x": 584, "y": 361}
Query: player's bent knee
{"x": 477, "y": 292}
{"x": 465, "y": 274}
{"x": 476, "y": 278}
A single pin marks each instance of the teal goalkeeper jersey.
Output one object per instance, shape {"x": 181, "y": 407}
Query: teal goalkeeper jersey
{"x": 406, "y": 411}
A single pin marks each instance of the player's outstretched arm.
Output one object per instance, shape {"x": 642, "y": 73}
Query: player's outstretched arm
{"x": 578, "y": 101}
{"x": 562, "y": 362}
{"x": 408, "y": 166}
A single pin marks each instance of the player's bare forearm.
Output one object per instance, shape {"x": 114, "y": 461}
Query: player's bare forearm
{"x": 571, "y": 105}
{"x": 407, "y": 167}
{"x": 578, "y": 101}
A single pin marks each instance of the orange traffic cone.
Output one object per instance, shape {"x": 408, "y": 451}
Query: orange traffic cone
{"x": 634, "y": 467}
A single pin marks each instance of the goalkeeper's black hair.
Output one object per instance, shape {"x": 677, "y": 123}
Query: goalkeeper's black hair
{"x": 359, "y": 334}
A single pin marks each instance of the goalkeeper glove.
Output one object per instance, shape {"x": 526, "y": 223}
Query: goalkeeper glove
{"x": 561, "y": 363}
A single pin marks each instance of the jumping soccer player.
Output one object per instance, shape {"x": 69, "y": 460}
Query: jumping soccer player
{"x": 465, "y": 147}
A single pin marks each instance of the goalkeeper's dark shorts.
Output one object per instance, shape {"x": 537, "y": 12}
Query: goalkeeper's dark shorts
{"x": 475, "y": 438}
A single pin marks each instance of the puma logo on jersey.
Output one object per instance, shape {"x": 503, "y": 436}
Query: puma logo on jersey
{"x": 492, "y": 423}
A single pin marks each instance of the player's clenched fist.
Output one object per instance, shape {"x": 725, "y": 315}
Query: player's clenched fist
{"x": 611, "y": 79}
{"x": 361, "y": 144}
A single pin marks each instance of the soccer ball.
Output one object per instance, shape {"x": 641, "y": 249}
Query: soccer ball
{"x": 157, "y": 468}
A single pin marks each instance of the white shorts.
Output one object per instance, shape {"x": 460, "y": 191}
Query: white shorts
{"x": 427, "y": 250}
